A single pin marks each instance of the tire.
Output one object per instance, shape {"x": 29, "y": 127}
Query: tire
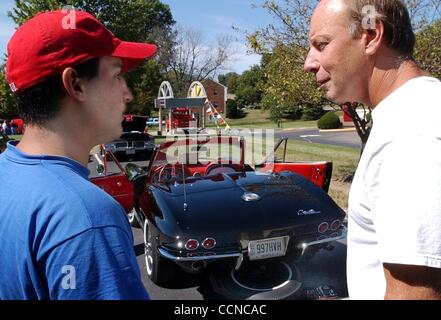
{"x": 132, "y": 219}
{"x": 158, "y": 269}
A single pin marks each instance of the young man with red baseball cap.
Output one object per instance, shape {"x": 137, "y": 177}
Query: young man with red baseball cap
{"x": 63, "y": 237}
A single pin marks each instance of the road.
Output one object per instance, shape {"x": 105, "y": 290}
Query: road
{"x": 325, "y": 268}
{"x": 339, "y": 138}
{"x": 332, "y": 137}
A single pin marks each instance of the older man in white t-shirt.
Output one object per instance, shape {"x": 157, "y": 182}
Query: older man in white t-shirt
{"x": 362, "y": 51}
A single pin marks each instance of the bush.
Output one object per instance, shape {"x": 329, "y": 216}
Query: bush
{"x": 329, "y": 121}
{"x": 312, "y": 113}
{"x": 233, "y": 112}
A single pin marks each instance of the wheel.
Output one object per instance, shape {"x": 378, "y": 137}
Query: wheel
{"x": 158, "y": 269}
{"x": 132, "y": 219}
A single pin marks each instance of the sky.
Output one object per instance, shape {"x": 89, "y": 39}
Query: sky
{"x": 213, "y": 18}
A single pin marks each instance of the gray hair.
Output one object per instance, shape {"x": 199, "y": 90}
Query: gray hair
{"x": 398, "y": 32}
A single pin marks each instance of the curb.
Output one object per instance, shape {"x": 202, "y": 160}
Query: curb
{"x": 295, "y": 129}
{"x": 337, "y": 130}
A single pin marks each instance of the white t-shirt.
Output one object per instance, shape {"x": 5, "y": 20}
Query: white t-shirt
{"x": 395, "y": 198}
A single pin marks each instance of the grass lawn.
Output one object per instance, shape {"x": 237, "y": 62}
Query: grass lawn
{"x": 260, "y": 119}
{"x": 344, "y": 160}
{"x": 257, "y": 119}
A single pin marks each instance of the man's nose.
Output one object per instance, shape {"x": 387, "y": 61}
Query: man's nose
{"x": 311, "y": 63}
{"x": 127, "y": 94}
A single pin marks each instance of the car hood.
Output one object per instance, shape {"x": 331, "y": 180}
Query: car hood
{"x": 284, "y": 200}
{"x": 134, "y": 123}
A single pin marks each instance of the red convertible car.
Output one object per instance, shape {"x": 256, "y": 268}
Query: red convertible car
{"x": 198, "y": 203}
{"x": 108, "y": 174}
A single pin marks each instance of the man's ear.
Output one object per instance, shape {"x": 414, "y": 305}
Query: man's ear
{"x": 73, "y": 84}
{"x": 373, "y": 38}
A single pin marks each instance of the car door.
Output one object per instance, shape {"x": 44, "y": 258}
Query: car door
{"x": 318, "y": 172}
{"x": 107, "y": 173}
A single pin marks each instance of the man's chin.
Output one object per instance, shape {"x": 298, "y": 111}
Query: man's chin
{"x": 335, "y": 98}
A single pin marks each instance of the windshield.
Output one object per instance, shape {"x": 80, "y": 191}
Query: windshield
{"x": 200, "y": 151}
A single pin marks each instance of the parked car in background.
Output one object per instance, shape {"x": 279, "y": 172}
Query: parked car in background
{"x": 152, "y": 122}
{"x": 134, "y": 142}
{"x": 108, "y": 174}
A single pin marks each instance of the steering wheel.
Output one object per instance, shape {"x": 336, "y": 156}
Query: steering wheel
{"x": 162, "y": 172}
{"x": 219, "y": 168}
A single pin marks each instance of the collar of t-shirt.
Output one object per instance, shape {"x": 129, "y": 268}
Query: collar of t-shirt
{"x": 15, "y": 155}
{"x": 378, "y": 109}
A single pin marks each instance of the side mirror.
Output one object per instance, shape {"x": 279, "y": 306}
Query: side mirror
{"x": 100, "y": 169}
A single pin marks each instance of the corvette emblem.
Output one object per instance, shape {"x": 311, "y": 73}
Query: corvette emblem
{"x": 302, "y": 212}
{"x": 249, "y": 196}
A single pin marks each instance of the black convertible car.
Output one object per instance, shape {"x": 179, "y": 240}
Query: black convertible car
{"x": 199, "y": 203}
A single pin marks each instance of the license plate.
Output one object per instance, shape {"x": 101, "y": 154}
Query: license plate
{"x": 130, "y": 151}
{"x": 267, "y": 248}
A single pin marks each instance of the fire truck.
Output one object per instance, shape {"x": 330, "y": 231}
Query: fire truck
{"x": 182, "y": 119}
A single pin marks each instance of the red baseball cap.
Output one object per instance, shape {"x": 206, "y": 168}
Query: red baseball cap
{"x": 52, "y": 41}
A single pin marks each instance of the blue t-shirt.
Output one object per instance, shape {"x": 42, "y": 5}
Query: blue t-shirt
{"x": 62, "y": 237}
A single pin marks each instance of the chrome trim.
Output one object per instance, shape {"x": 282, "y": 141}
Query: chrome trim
{"x": 204, "y": 264}
{"x": 318, "y": 228}
{"x": 239, "y": 262}
{"x": 209, "y": 239}
{"x": 339, "y": 225}
{"x": 185, "y": 245}
{"x": 169, "y": 256}
{"x": 305, "y": 245}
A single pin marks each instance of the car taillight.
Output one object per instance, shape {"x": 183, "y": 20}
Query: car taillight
{"x": 323, "y": 227}
{"x": 209, "y": 243}
{"x": 335, "y": 225}
{"x": 192, "y": 244}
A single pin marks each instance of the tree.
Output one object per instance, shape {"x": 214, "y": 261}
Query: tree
{"x": 428, "y": 49}
{"x": 8, "y": 109}
{"x": 249, "y": 88}
{"x": 288, "y": 90}
{"x": 135, "y": 20}
{"x": 191, "y": 59}
{"x": 233, "y": 111}
{"x": 230, "y": 80}
{"x": 285, "y": 44}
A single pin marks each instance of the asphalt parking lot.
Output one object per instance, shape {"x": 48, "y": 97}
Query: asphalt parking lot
{"x": 326, "y": 268}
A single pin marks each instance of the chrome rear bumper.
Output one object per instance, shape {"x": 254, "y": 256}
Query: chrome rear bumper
{"x": 305, "y": 245}
{"x": 164, "y": 253}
